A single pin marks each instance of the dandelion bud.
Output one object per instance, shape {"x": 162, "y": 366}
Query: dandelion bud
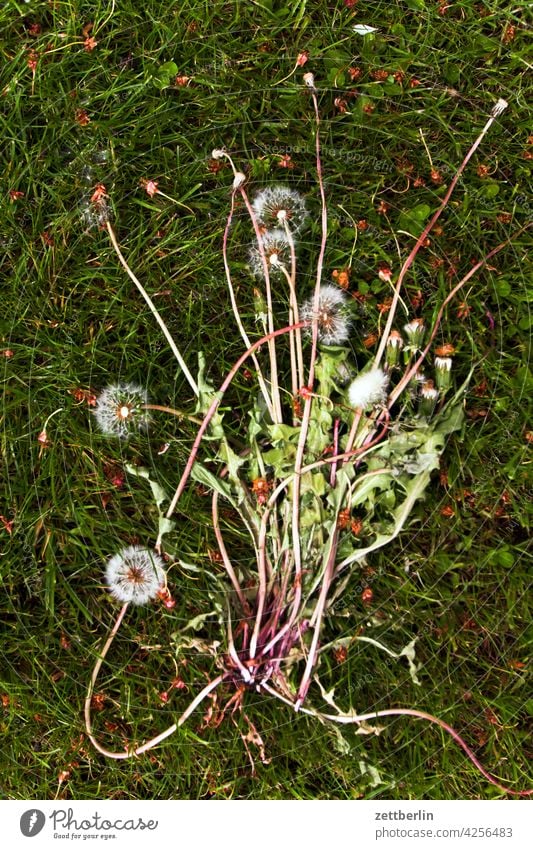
{"x": 394, "y": 346}
{"x": 443, "y": 373}
{"x": 135, "y": 575}
{"x": 415, "y": 332}
{"x": 428, "y": 399}
{"x": 330, "y": 315}
{"x": 368, "y": 389}
{"x": 120, "y": 409}
{"x": 238, "y": 180}
{"x": 499, "y": 107}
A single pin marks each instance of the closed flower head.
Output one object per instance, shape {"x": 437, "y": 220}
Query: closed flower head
{"x": 368, "y": 389}
{"x": 277, "y": 252}
{"x": 332, "y": 321}
{"x": 119, "y": 409}
{"x": 135, "y": 575}
{"x": 273, "y": 206}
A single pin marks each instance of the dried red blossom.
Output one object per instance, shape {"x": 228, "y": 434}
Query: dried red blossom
{"x": 97, "y": 701}
{"x": 385, "y": 272}
{"x": 81, "y": 117}
{"x": 342, "y": 278}
{"x": 150, "y": 187}
{"x": 383, "y": 208}
{"x": 368, "y": 108}
{"x": 380, "y": 75}
{"x": 261, "y": 488}
{"x": 362, "y": 224}
{"x": 7, "y": 353}
{"x": 47, "y": 239}
{"x": 354, "y": 73}
{"x": 285, "y": 161}
{"x": 445, "y": 350}
{"x": 32, "y": 60}
{"x": 367, "y": 595}
{"x": 508, "y": 34}
{"x": 341, "y": 105}
{"x": 89, "y": 44}
{"x": 8, "y": 524}
{"x": 417, "y": 299}
{"x": 99, "y": 193}
{"x": 182, "y": 80}
{"x": 303, "y": 57}
{"x": 370, "y": 340}
{"x": 483, "y": 171}
{"x": 343, "y": 519}
{"x": 356, "y": 526}
{"x": 504, "y": 217}
{"x": 447, "y": 511}
{"x": 15, "y": 195}
{"x": 436, "y": 177}
{"x": 463, "y": 310}
{"x": 384, "y": 307}
{"x": 340, "y": 654}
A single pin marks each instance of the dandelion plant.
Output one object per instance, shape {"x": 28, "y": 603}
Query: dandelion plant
{"x": 333, "y": 457}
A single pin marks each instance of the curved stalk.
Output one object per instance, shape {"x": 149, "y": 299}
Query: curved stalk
{"x": 347, "y": 719}
{"x": 153, "y": 309}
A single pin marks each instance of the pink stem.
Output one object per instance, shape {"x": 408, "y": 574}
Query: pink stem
{"x": 349, "y": 720}
{"x": 421, "y": 239}
{"x": 225, "y": 559}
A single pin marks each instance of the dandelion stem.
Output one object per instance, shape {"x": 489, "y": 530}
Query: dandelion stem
{"x": 236, "y": 313}
{"x": 349, "y": 719}
{"x": 276, "y": 401}
{"x": 153, "y": 309}
{"x": 94, "y": 676}
{"x": 225, "y": 559}
{"x": 421, "y": 239}
{"x": 180, "y": 414}
{"x": 292, "y": 289}
{"x": 398, "y": 389}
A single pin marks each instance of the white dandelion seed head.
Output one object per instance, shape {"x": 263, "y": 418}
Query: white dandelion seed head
{"x": 277, "y": 204}
{"x": 135, "y": 575}
{"x": 277, "y": 251}
{"x": 443, "y": 363}
{"x": 119, "y": 409}
{"x": 217, "y": 153}
{"x": 333, "y": 323}
{"x": 95, "y": 216}
{"x": 368, "y": 389}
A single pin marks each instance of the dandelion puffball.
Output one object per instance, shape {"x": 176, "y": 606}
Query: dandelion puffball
{"x": 277, "y": 252}
{"x": 135, "y": 575}
{"x": 277, "y": 204}
{"x": 119, "y": 409}
{"x": 333, "y": 323}
{"x": 368, "y": 389}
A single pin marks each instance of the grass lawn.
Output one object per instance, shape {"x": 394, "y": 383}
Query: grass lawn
{"x": 117, "y": 93}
